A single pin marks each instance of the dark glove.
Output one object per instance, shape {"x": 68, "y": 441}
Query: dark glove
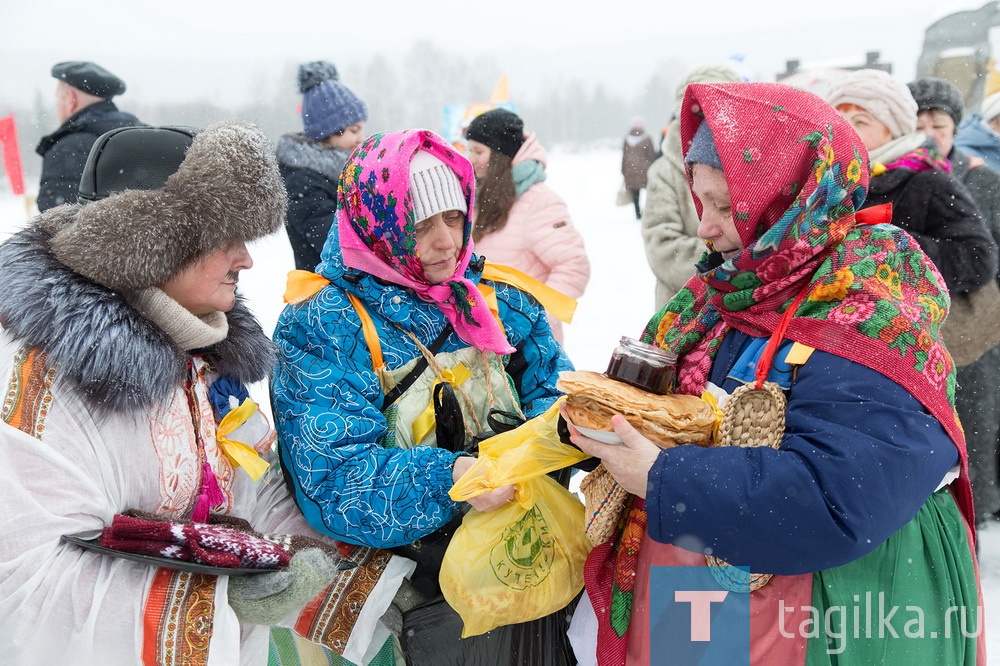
{"x": 268, "y": 598}
{"x": 406, "y": 598}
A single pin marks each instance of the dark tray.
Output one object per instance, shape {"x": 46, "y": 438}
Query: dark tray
{"x": 193, "y": 567}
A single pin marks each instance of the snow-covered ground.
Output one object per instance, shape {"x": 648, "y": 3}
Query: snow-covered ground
{"x": 619, "y": 299}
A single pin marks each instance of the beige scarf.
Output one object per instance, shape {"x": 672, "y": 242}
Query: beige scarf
{"x": 187, "y": 330}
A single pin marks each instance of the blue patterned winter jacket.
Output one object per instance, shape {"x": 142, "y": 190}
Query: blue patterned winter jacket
{"x": 327, "y": 403}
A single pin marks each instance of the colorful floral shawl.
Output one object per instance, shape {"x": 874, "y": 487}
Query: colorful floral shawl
{"x": 797, "y": 173}
{"x": 921, "y": 159}
{"x": 378, "y": 232}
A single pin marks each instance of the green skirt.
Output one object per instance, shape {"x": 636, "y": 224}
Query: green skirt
{"x": 289, "y": 649}
{"x": 913, "y": 601}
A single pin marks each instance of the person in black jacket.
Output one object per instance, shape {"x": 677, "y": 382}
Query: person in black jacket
{"x": 977, "y": 397}
{"x": 333, "y": 121}
{"x": 909, "y": 172}
{"x": 85, "y": 111}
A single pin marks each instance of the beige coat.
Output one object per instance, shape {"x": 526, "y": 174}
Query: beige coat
{"x": 670, "y": 221}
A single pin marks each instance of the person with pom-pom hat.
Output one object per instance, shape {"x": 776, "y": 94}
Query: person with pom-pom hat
{"x": 333, "y": 125}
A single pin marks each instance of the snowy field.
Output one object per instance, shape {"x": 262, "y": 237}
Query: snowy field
{"x": 619, "y": 299}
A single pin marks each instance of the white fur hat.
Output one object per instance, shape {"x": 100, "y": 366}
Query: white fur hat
{"x": 991, "y": 107}
{"x": 881, "y": 95}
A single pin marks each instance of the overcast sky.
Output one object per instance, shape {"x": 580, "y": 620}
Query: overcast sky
{"x": 187, "y": 50}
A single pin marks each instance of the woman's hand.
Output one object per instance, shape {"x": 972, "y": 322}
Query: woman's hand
{"x": 488, "y": 501}
{"x": 629, "y": 463}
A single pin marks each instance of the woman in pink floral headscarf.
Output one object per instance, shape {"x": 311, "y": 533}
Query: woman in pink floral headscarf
{"x": 392, "y": 357}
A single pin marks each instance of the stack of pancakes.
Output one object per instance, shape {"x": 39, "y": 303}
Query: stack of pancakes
{"x": 668, "y": 420}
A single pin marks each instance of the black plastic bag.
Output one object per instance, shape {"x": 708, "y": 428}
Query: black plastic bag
{"x": 449, "y": 424}
{"x": 432, "y": 637}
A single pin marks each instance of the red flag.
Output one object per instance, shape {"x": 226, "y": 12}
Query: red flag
{"x": 11, "y": 154}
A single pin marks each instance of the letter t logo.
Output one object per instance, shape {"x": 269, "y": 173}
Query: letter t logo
{"x": 701, "y": 610}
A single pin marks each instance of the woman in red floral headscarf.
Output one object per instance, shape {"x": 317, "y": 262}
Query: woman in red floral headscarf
{"x": 865, "y": 503}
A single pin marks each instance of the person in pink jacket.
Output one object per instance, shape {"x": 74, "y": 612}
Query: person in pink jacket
{"x": 519, "y": 220}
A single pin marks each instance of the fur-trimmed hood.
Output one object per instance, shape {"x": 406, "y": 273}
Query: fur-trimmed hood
{"x": 296, "y": 151}
{"x": 99, "y": 343}
{"x": 227, "y": 189}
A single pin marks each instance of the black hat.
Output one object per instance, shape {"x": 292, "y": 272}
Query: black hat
{"x": 498, "y": 129}
{"x": 134, "y": 158}
{"x": 89, "y": 77}
{"x": 933, "y": 93}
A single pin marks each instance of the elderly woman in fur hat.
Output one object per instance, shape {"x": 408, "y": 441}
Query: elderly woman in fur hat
{"x": 127, "y": 354}
{"x": 842, "y": 485}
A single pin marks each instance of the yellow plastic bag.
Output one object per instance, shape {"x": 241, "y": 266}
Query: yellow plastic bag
{"x": 524, "y": 560}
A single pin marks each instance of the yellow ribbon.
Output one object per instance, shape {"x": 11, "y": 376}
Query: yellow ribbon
{"x": 710, "y": 399}
{"x": 302, "y": 285}
{"x": 557, "y": 303}
{"x": 424, "y": 423}
{"x": 238, "y": 453}
{"x": 490, "y": 296}
{"x": 878, "y": 169}
{"x": 370, "y": 332}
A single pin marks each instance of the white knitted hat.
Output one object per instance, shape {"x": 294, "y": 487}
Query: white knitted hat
{"x": 881, "y": 95}
{"x": 991, "y": 107}
{"x": 434, "y": 187}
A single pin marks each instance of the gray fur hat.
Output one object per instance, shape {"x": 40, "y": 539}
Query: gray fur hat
{"x": 227, "y": 189}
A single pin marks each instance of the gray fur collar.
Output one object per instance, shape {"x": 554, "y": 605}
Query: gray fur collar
{"x": 299, "y": 152}
{"x": 116, "y": 357}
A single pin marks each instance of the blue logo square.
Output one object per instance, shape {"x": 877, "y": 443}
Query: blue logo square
{"x": 693, "y": 620}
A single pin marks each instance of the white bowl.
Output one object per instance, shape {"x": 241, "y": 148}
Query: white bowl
{"x": 602, "y": 436}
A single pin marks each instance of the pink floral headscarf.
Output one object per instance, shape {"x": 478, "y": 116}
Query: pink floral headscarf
{"x": 378, "y": 230}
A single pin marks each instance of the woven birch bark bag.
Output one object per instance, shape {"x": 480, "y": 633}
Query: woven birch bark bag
{"x": 754, "y": 415}
{"x": 604, "y": 500}
{"x": 667, "y": 419}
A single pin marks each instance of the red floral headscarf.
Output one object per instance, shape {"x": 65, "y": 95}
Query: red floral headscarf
{"x": 797, "y": 173}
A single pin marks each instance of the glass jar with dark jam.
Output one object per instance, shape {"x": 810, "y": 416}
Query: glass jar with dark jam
{"x": 643, "y": 366}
